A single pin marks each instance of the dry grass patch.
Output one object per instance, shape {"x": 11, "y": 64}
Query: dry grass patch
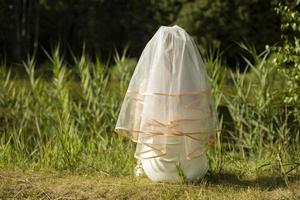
{"x": 47, "y": 184}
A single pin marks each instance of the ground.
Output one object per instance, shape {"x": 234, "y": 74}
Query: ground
{"x": 49, "y": 184}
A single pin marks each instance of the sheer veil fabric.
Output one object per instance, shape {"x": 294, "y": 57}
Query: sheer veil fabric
{"x": 168, "y": 108}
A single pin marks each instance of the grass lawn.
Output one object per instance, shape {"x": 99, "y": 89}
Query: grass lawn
{"x": 49, "y": 184}
{"x": 63, "y": 123}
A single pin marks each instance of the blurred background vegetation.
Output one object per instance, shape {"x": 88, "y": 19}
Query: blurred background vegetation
{"x": 27, "y": 26}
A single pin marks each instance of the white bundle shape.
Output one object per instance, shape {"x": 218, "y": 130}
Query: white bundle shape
{"x": 168, "y": 108}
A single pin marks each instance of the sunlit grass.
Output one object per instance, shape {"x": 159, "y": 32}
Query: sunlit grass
{"x": 66, "y": 121}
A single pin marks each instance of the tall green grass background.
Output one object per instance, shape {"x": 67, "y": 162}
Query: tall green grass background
{"x": 65, "y": 120}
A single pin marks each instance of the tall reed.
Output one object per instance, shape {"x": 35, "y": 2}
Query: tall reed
{"x": 67, "y": 121}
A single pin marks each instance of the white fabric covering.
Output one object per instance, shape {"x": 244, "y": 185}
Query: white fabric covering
{"x": 165, "y": 168}
{"x": 168, "y": 108}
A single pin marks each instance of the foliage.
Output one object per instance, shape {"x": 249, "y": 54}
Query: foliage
{"x": 255, "y": 123}
{"x": 288, "y": 52}
{"x": 220, "y": 24}
{"x": 103, "y": 25}
{"x": 67, "y": 120}
{"x": 60, "y": 123}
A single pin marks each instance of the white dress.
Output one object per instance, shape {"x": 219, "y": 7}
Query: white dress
{"x": 168, "y": 108}
{"x": 165, "y": 168}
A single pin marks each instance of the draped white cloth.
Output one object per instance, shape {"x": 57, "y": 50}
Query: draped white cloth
{"x": 168, "y": 106}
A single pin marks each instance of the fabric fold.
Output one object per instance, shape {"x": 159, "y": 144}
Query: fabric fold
{"x": 169, "y": 97}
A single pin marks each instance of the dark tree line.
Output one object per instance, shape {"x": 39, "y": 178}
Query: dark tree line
{"x": 29, "y": 26}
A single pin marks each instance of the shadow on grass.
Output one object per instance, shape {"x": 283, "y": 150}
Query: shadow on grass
{"x": 263, "y": 182}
